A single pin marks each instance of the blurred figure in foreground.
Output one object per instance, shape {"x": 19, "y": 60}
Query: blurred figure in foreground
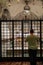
{"x": 32, "y": 45}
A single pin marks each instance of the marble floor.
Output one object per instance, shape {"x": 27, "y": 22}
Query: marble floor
{"x": 18, "y": 63}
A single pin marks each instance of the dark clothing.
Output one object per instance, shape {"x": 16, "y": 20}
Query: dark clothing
{"x": 32, "y": 55}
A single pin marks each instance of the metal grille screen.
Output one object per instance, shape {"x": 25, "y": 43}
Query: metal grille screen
{"x": 20, "y": 33}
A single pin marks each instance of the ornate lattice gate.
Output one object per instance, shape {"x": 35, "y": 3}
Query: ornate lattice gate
{"x": 12, "y": 38}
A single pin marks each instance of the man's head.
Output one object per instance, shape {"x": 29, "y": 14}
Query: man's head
{"x": 31, "y": 31}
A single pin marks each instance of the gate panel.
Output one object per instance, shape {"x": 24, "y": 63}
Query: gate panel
{"x": 17, "y": 39}
{"x": 6, "y": 39}
{"x": 26, "y": 32}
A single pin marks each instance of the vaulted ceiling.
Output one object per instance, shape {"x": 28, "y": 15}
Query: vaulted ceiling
{"x": 15, "y": 7}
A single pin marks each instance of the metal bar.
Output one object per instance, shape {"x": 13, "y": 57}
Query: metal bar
{"x": 31, "y": 24}
{"x": 13, "y": 37}
{"x": 19, "y": 20}
{"x": 40, "y": 40}
{"x": 22, "y": 41}
{"x": 0, "y": 41}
